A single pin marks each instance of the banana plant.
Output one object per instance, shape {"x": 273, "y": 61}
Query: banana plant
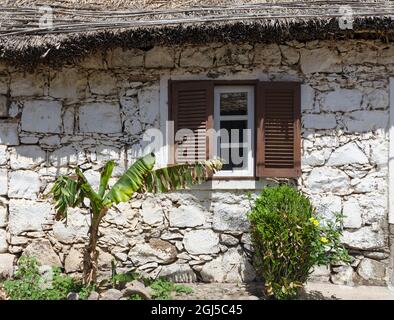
{"x": 71, "y": 191}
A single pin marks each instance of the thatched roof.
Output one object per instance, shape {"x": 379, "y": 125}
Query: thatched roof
{"x": 80, "y": 26}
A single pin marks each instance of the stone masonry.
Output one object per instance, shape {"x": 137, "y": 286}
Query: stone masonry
{"x": 90, "y": 111}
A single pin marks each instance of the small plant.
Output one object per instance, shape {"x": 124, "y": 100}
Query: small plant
{"x": 163, "y": 289}
{"x": 290, "y": 238}
{"x": 28, "y": 284}
{"x": 71, "y": 191}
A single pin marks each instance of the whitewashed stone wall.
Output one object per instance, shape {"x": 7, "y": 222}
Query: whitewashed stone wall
{"x": 97, "y": 109}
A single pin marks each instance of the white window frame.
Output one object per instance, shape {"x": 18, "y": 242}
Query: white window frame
{"x": 250, "y": 90}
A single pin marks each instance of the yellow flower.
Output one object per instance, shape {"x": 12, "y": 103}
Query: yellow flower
{"x": 324, "y": 240}
{"x": 314, "y": 221}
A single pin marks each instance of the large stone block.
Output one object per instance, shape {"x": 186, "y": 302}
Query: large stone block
{"x": 178, "y": 273}
{"x": 230, "y": 218}
{"x": 232, "y": 54}
{"x": 201, "y": 242}
{"x": 366, "y": 121}
{"x": 378, "y": 99}
{"x": 372, "y": 271}
{"x": 24, "y": 184}
{"x": 75, "y": 230}
{"x": 26, "y": 215}
{"x": 69, "y": 121}
{"x": 290, "y": 55}
{"x": 9, "y": 133}
{"x": 343, "y": 100}
{"x": 100, "y": 117}
{"x": 374, "y": 207}
{"x": 344, "y": 275}
{"x": 122, "y": 58}
{"x": 267, "y": 54}
{"x": 3, "y": 241}
{"x": 3, "y": 215}
{"x": 103, "y": 83}
{"x": 148, "y": 100}
{"x": 325, "y": 179}
{"x": 320, "y": 60}
{"x": 3, "y": 182}
{"x": 319, "y": 121}
{"x": 316, "y": 157}
{"x": 370, "y": 183}
{"x": 6, "y": 265}
{"x": 348, "y": 154}
{"x": 232, "y": 266}
{"x": 42, "y": 116}
{"x": 3, "y": 155}
{"x": 42, "y": 250}
{"x": 360, "y": 54}
{"x": 67, "y": 155}
{"x": 26, "y": 157}
{"x": 195, "y": 57}
{"x": 27, "y": 84}
{"x": 386, "y": 55}
{"x": 352, "y": 213}
{"x": 307, "y": 97}
{"x": 327, "y": 206}
{"x": 379, "y": 153}
{"x": 365, "y": 238}
{"x": 113, "y": 237}
{"x": 159, "y": 57}
{"x": 68, "y": 83}
{"x": 152, "y": 212}
{"x": 74, "y": 260}
{"x": 4, "y": 83}
{"x": 155, "y": 251}
{"x": 3, "y": 106}
{"x": 186, "y": 216}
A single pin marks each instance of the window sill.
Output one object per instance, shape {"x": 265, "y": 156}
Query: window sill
{"x": 231, "y": 183}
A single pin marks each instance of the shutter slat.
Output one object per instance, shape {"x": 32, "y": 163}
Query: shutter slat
{"x": 191, "y": 108}
{"x": 278, "y": 129}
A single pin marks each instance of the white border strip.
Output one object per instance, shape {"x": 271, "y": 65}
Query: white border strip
{"x": 391, "y": 154}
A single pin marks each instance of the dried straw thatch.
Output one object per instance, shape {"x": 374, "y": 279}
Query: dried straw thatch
{"x": 80, "y": 26}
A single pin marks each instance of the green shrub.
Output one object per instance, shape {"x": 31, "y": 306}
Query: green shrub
{"x": 290, "y": 238}
{"x": 29, "y": 284}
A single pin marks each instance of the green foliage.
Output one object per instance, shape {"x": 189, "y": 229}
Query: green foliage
{"x": 163, "y": 288}
{"x": 131, "y": 181}
{"x": 290, "y": 238}
{"x": 180, "y": 176}
{"x": 71, "y": 191}
{"x": 29, "y": 285}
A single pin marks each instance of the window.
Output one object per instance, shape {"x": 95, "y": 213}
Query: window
{"x": 254, "y": 126}
{"x": 234, "y": 124}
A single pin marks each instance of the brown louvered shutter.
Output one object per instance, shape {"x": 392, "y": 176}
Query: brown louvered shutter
{"x": 278, "y": 126}
{"x": 191, "y": 108}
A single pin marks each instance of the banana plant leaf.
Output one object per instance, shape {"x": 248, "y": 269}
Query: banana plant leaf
{"x": 106, "y": 174}
{"x": 131, "y": 181}
{"x": 67, "y": 193}
{"x": 180, "y": 176}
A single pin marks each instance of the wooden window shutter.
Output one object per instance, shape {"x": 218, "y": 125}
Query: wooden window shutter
{"x": 191, "y": 108}
{"x": 278, "y": 145}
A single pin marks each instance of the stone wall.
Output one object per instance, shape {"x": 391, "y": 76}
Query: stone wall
{"x": 97, "y": 109}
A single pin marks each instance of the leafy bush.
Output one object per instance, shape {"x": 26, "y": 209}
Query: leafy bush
{"x": 290, "y": 238}
{"x": 29, "y": 284}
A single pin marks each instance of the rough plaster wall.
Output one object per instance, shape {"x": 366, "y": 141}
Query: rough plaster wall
{"x": 97, "y": 109}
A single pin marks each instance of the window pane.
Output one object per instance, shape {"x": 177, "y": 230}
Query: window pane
{"x": 233, "y": 132}
{"x": 233, "y": 103}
